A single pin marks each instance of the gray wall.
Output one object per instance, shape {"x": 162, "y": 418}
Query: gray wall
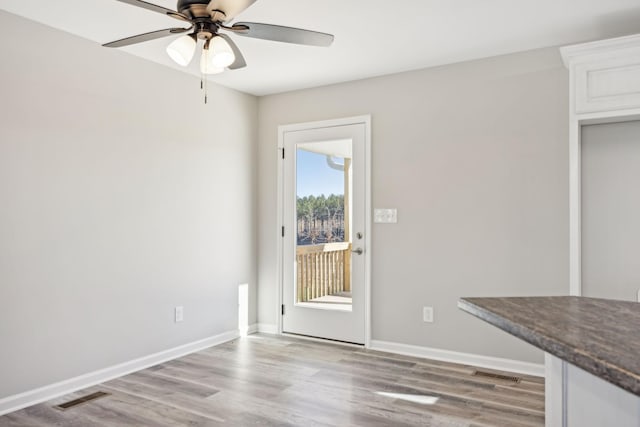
{"x": 474, "y": 157}
{"x": 121, "y": 196}
{"x": 611, "y": 210}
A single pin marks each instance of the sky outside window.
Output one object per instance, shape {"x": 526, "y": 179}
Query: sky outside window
{"x": 315, "y": 177}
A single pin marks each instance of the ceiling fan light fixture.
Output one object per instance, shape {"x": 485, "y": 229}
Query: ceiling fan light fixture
{"x": 181, "y": 50}
{"x": 206, "y": 65}
{"x": 206, "y": 18}
{"x": 222, "y": 55}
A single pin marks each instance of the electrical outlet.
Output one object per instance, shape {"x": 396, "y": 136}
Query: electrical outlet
{"x": 179, "y": 314}
{"x": 427, "y": 314}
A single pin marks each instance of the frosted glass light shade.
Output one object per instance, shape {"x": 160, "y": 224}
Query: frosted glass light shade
{"x": 206, "y": 65}
{"x": 223, "y": 55}
{"x": 181, "y": 50}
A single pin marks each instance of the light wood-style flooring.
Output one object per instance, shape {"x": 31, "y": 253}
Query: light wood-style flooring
{"x": 264, "y": 380}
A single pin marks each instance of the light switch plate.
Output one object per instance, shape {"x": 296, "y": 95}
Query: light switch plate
{"x": 179, "y": 314}
{"x": 427, "y": 314}
{"x": 385, "y": 216}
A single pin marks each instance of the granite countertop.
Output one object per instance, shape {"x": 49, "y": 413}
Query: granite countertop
{"x": 598, "y": 335}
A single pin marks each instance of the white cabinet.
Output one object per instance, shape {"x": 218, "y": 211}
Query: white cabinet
{"x": 575, "y": 398}
{"x": 605, "y": 75}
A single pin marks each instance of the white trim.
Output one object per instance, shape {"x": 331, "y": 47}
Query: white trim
{"x": 282, "y": 129}
{"x": 253, "y": 329}
{"x": 51, "y": 391}
{"x": 345, "y": 121}
{"x": 267, "y": 328}
{"x": 587, "y": 51}
{"x": 367, "y": 223}
{"x": 279, "y": 239}
{"x": 575, "y": 207}
{"x": 488, "y": 362}
{"x": 619, "y": 116}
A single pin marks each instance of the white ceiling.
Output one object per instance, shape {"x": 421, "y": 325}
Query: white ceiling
{"x": 372, "y": 37}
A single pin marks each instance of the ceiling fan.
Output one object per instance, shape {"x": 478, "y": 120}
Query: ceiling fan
{"x": 207, "y": 19}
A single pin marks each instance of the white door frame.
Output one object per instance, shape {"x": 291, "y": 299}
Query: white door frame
{"x": 366, "y": 120}
{"x": 592, "y": 100}
{"x": 575, "y": 193}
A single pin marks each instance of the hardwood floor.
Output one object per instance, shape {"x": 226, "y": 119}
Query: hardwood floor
{"x": 265, "y": 380}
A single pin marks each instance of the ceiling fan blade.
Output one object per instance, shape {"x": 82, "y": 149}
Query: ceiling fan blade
{"x": 230, "y": 8}
{"x": 156, "y": 8}
{"x": 281, "y": 34}
{"x": 146, "y": 37}
{"x": 239, "y": 62}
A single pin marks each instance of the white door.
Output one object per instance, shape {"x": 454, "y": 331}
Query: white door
{"x": 325, "y": 232}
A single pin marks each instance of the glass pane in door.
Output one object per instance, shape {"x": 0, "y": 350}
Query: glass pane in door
{"x": 323, "y": 241}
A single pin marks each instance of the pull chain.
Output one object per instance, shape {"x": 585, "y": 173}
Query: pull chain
{"x": 204, "y": 86}
{"x": 204, "y": 64}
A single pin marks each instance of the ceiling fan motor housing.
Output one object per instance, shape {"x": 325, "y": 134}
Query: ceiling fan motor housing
{"x": 184, "y": 4}
{"x": 194, "y": 8}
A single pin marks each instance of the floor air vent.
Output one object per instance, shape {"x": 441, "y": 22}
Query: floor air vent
{"x": 81, "y": 400}
{"x": 500, "y": 377}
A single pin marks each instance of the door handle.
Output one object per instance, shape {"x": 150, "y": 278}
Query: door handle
{"x": 358, "y": 251}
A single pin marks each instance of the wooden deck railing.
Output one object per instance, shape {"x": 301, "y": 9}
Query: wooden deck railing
{"x": 323, "y": 270}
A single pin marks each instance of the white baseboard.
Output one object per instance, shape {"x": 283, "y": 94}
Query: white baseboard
{"x": 480, "y": 361}
{"x": 51, "y": 391}
{"x": 254, "y": 328}
{"x": 267, "y": 328}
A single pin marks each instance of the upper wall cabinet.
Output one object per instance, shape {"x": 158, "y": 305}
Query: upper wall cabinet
{"x": 605, "y": 76}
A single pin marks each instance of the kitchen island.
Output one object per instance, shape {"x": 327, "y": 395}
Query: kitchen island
{"x": 592, "y": 353}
